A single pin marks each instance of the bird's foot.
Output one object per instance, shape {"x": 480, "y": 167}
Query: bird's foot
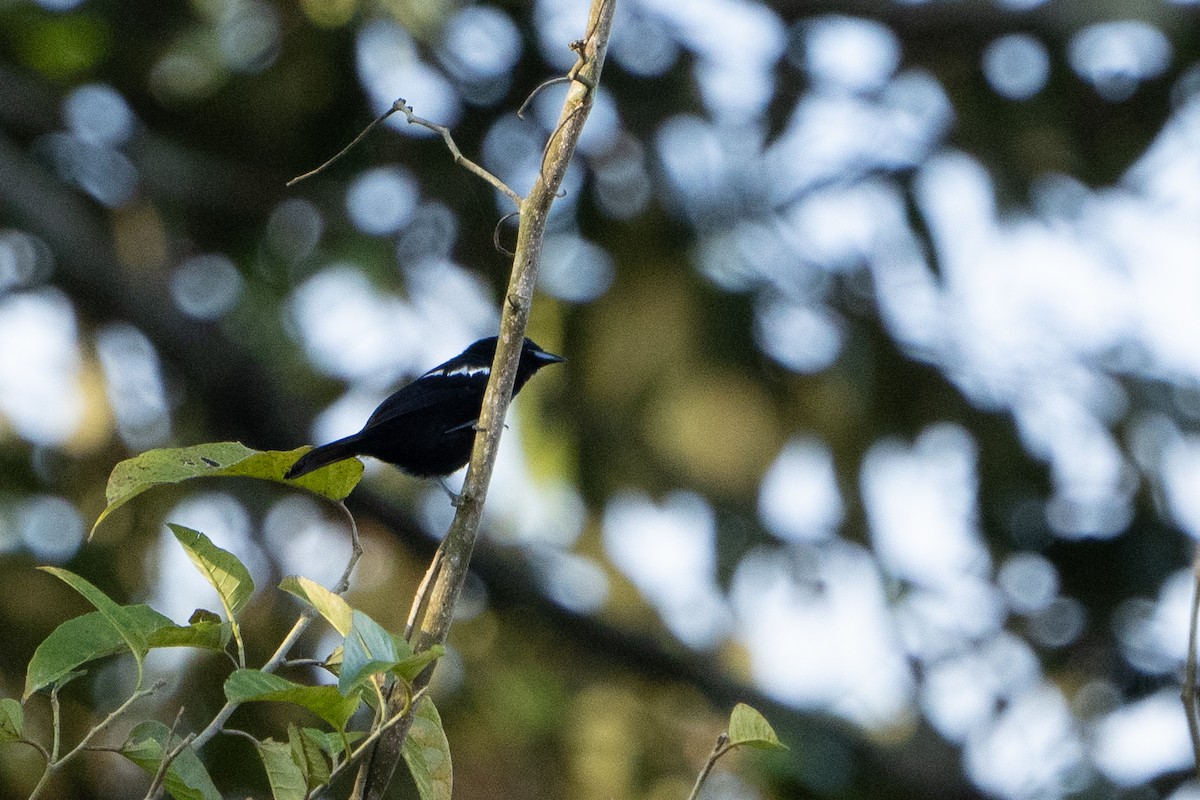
{"x": 455, "y": 497}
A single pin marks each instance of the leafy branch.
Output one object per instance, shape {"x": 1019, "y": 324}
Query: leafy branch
{"x": 747, "y": 728}
{"x": 311, "y": 758}
{"x": 434, "y": 611}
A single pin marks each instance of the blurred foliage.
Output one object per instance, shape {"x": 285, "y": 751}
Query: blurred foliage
{"x": 668, "y": 386}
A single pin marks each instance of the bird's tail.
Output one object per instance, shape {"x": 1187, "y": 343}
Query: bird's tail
{"x": 321, "y": 456}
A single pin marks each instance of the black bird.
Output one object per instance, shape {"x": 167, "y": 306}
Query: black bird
{"x": 427, "y": 428}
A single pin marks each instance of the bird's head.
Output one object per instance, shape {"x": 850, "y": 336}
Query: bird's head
{"x": 534, "y": 358}
{"x": 481, "y": 353}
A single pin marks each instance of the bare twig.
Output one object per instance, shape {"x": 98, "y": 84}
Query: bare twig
{"x": 304, "y": 662}
{"x": 1190, "y": 707}
{"x": 550, "y": 143}
{"x": 111, "y": 718}
{"x": 496, "y": 234}
{"x": 459, "y": 158}
{"x": 722, "y": 747}
{"x": 41, "y": 748}
{"x": 169, "y": 755}
{"x": 421, "y": 598}
{"x": 538, "y": 89}
{"x": 56, "y": 721}
{"x": 459, "y": 543}
{"x": 577, "y": 74}
{"x": 243, "y": 734}
{"x": 356, "y": 551}
{"x": 347, "y": 148}
{"x": 54, "y": 763}
{"x": 401, "y": 106}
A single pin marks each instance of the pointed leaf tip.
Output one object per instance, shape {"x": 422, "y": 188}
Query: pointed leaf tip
{"x": 750, "y": 728}
{"x": 164, "y": 466}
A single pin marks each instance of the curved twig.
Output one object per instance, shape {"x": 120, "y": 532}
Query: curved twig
{"x": 496, "y": 234}
{"x": 401, "y": 106}
{"x": 459, "y": 158}
{"x": 538, "y": 89}
{"x": 356, "y": 551}
{"x": 345, "y": 149}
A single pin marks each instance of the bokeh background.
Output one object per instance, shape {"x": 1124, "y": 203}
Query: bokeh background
{"x": 881, "y": 411}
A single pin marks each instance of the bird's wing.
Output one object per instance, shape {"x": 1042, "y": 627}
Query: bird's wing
{"x": 426, "y": 392}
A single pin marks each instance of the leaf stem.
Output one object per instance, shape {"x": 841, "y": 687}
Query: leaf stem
{"x": 722, "y": 747}
{"x": 365, "y": 745}
{"x": 169, "y": 755}
{"x": 56, "y": 763}
{"x": 281, "y": 652}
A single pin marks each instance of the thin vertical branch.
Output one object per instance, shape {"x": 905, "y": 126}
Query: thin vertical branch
{"x": 434, "y": 625}
{"x": 1190, "y": 708}
{"x": 721, "y": 748}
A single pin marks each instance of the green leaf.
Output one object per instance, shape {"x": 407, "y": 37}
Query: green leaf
{"x": 334, "y": 661}
{"x": 203, "y": 615}
{"x": 750, "y": 728}
{"x": 307, "y": 753}
{"x": 409, "y": 667}
{"x": 427, "y": 753}
{"x": 12, "y": 720}
{"x": 249, "y": 685}
{"x": 91, "y": 636}
{"x": 220, "y": 568}
{"x": 331, "y": 743}
{"x": 117, "y": 616}
{"x": 332, "y": 607}
{"x": 175, "y": 465}
{"x": 202, "y": 635}
{"x": 86, "y": 638}
{"x": 368, "y": 649}
{"x": 186, "y": 778}
{"x": 286, "y": 778}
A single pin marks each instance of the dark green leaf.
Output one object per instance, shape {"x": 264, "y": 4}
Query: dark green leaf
{"x": 86, "y": 638}
{"x": 175, "y": 465}
{"x": 117, "y": 616}
{"x": 12, "y": 720}
{"x": 248, "y": 685}
{"x": 411, "y": 666}
{"x": 368, "y": 649}
{"x": 331, "y": 743}
{"x": 284, "y": 774}
{"x": 307, "y": 753}
{"x": 203, "y": 635}
{"x": 186, "y": 778}
{"x": 427, "y": 753}
{"x": 749, "y": 728}
{"x": 204, "y": 615}
{"x": 219, "y": 567}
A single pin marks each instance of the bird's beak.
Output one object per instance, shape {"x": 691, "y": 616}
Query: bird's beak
{"x": 548, "y": 358}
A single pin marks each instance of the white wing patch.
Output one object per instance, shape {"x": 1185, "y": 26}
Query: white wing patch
{"x": 463, "y": 371}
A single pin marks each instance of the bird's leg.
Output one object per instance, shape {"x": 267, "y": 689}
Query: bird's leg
{"x": 455, "y": 497}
